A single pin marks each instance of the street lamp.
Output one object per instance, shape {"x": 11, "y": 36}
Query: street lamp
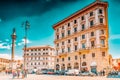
{"x": 80, "y": 60}
{"x": 26, "y": 26}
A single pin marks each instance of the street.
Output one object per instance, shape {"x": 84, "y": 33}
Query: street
{"x": 54, "y": 77}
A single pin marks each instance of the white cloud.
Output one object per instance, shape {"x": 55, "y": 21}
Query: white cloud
{"x": 4, "y": 45}
{"x": 23, "y": 42}
{"x": 117, "y": 36}
{"x": 7, "y": 40}
{"x": 8, "y": 56}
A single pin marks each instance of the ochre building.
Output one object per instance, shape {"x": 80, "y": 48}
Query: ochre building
{"x": 81, "y": 40}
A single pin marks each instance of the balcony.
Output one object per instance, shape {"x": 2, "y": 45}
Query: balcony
{"x": 83, "y": 40}
{"x": 82, "y": 22}
{"x": 92, "y": 38}
{"x": 100, "y": 15}
{"x": 91, "y": 17}
{"x": 62, "y": 54}
{"x": 75, "y": 25}
{"x": 102, "y": 36}
{"x": 84, "y": 50}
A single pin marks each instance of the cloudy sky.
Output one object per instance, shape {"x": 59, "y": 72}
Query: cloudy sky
{"x": 42, "y": 14}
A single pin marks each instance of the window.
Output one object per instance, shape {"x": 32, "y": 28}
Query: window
{"x": 75, "y": 21}
{"x": 84, "y": 56}
{"x": 31, "y": 49}
{"x": 31, "y": 53}
{"x": 57, "y": 30}
{"x": 62, "y": 34}
{"x": 91, "y": 23}
{"x": 83, "y": 36}
{"x": 75, "y": 38}
{"x": 83, "y": 45}
{"x": 57, "y": 44}
{"x": 69, "y": 58}
{"x": 69, "y": 41}
{"x": 68, "y": 32}
{"x": 35, "y": 64}
{"x": 93, "y": 55}
{"x": 57, "y": 36}
{"x": 92, "y": 44}
{"x": 62, "y": 50}
{"x": 43, "y": 53}
{"x": 62, "y": 27}
{"x": 75, "y": 57}
{"x": 101, "y": 20}
{"x": 75, "y": 47}
{"x": 103, "y": 54}
{"x": 103, "y": 42}
{"x": 92, "y": 33}
{"x": 62, "y": 59}
{"x": 102, "y": 32}
{"x": 68, "y": 24}
{"x": 35, "y": 53}
{"x": 82, "y": 18}
{"x": 91, "y": 13}
{"x": 62, "y": 43}
{"x": 83, "y": 27}
{"x": 75, "y": 29}
{"x": 31, "y": 63}
{"x": 100, "y": 11}
{"x": 57, "y": 60}
{"x": 68, "y": 49}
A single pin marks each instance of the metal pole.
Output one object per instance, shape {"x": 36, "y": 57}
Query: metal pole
{"x": 26, "y": 26}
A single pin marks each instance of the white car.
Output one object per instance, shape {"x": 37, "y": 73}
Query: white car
{"x": 72, "y": 72}
{"x": 87, "y": 74}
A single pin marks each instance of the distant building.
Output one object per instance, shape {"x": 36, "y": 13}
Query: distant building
{"x": 81, "y": 40}
{"x": 41, "y": 57}
{"x": 4, "y": 63}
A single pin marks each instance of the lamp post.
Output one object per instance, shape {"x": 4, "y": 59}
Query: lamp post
{"x": 80, "y": 60}
{"x": 13, "y": 36}
{"x": 26, "y": 26}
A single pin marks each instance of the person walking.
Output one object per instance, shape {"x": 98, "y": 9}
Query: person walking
{"x": 18, "y": 73}
{"x": 23, "y": 74}
{"x": 103, "y": 73}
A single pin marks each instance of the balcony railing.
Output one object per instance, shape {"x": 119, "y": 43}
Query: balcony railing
{"x": 62, "y": 54}
{"x": 84, "y": 50}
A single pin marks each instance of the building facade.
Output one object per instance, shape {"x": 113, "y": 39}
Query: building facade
{"x": 41, "y": 57}
{"x": 81, "y": 40}
{"x": 4, "y": 63}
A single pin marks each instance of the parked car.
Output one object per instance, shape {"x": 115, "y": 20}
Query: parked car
{"x": 87, "y": 73}
{"x": 50, "y": 71}
{"x": 62, "y": 72}
{"x": 38, "y": 72}
{"x": 72, "y": 72}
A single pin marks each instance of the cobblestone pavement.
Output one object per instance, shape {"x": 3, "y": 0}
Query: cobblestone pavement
{"x": 55, "y": 77}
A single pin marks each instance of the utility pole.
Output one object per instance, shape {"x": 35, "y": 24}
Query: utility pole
{"x": 26, "y": 26}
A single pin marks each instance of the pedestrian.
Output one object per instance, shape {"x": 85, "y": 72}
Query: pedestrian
{"x": 18, "y": 73}
{"x": 14, "y": 73}
{"x": 23, "y": 74}
{"x": 103, "y": 73}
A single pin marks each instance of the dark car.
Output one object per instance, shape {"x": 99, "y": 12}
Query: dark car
{"x": 60, "y": 72}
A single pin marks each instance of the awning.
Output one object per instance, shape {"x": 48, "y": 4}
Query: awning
{"x": 93, "y": 64}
